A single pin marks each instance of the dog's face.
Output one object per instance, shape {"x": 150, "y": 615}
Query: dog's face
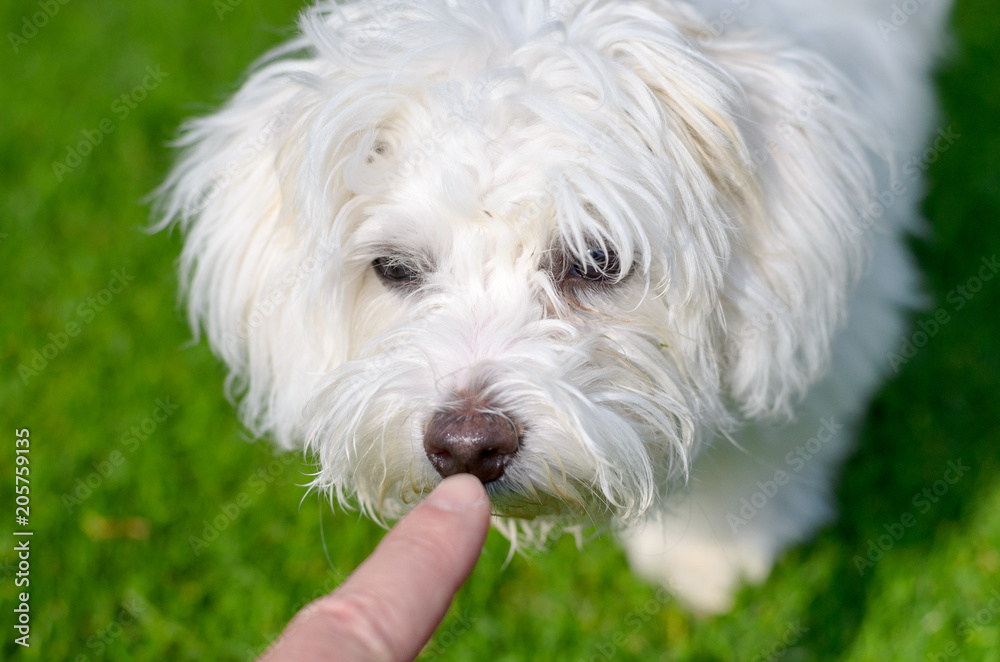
{"x": 494, "y": 333}
{"x": 540, "y": 253}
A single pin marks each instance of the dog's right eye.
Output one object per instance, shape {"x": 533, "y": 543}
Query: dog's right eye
{"x": 394, "y": 272}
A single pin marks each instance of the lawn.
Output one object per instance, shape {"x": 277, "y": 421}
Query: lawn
{"x": 160, "y": 532}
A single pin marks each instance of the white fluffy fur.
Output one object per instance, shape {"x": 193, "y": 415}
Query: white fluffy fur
{"x": 724, "y": 148}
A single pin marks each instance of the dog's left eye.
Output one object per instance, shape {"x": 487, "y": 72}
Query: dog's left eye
{"x": 602, "y": 266}
{"x": 393, "y": 271}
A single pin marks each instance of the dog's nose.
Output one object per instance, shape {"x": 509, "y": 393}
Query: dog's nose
{"x": 471, "y": 442}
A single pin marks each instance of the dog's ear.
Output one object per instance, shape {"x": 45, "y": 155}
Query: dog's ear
{"x": 801, "y": 244}
{"x": 266, "y": 191}
{"x": 252, "y": 262}
{"x": 769, "y": 142}
{"x": 237, "y": 268}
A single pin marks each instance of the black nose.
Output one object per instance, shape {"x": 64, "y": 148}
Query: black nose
{"x": 468, "y": 441}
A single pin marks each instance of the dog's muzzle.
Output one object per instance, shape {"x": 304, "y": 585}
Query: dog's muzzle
{"x": 470, "y": 441}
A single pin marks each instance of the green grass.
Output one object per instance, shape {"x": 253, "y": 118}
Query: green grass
{"x": 128, "y": 543}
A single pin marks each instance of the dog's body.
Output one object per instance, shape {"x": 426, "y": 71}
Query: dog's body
{"x": 570, "y": 247}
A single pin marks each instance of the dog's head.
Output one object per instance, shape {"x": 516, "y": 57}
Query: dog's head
{"x": 551, "y": 246}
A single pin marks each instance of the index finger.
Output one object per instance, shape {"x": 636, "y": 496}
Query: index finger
{"x": 389, "y": 607}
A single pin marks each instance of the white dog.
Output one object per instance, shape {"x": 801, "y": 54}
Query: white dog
{"x": 632, "y": 263}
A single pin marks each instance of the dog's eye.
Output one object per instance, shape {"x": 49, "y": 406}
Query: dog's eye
{"x": 393, "y": 271}
{"x": 602, "y": 266}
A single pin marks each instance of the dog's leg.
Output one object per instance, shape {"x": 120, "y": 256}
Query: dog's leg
{"x": 742, "y": 507}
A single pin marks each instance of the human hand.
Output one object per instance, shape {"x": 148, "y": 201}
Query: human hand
{"x": 388, "y": 608}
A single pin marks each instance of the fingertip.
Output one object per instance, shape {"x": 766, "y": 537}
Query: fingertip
{"x": 459, "y": 493}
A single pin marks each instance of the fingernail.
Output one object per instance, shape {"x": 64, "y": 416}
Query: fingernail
{"x": 457, "y": 493}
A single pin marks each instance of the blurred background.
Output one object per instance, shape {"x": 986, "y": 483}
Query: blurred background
{"x": 162, "y": 532}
